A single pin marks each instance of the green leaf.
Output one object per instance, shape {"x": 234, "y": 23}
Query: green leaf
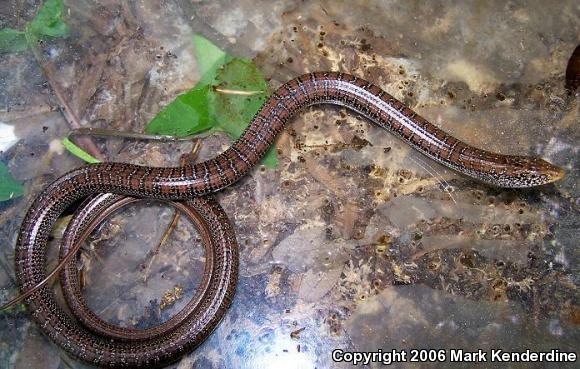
{"x": 48, "y": 21}
{"x": 12, "y": 40}
{"x": 228, "y": 96}
{"x": 187, "y": 114}
{"x": 78, "y": 152}
{"x": 209, "y": 58}
{"x": 239, "y": 92}
{"x": 9, "y": 188}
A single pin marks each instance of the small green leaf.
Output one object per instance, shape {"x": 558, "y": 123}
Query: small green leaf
{"x": 239, "y": 92}
{"x": 12, "y": 40}
{"x": 9, "y": 188}
{"x": 270, "y": 160}
{"x": 78, "y": 152}
{"x": 209, "y": 58}
{"x": 228, "y": 96}
{"x": 48, "y": 21}
{"x": 187, "y": 114}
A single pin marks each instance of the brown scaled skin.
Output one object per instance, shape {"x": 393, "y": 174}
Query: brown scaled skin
{"x": 552, "y": 172}
{"x": 524, "y": 171}
{"x": 191, "y": 181}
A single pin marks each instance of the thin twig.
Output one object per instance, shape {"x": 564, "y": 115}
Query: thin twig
{"x": 236, "y": 92}
{"x": 89, "y": 131}
{"x": 71, "y": 118}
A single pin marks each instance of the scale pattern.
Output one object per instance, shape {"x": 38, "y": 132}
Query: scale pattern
{"x": 189, "y": 182}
